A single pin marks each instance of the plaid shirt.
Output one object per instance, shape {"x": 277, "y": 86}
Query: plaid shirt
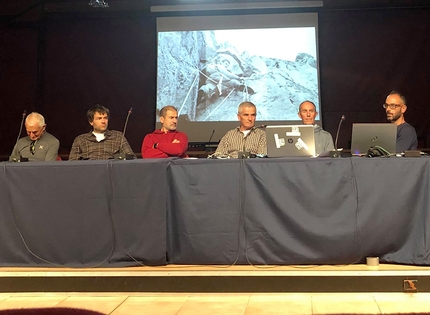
{"x": 86, "y": 146}
{"x": 235, "y": 141}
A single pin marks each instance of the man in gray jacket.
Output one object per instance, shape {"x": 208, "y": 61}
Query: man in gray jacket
{"x": 323, "y": 139}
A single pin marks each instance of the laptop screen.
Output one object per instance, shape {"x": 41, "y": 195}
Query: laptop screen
{"x": 290, "y": 141}
{"x": 367, "y": 135}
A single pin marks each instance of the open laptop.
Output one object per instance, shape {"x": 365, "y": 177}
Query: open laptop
{"x": 368, "y": 135}
{"x": 290, "y": 141}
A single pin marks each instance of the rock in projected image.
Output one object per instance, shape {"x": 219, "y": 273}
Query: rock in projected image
{"x": 207, "y": 78}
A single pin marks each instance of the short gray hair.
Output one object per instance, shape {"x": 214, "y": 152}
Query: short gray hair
{"x": 35, "y": 116}
{"x": 245, "y": 104}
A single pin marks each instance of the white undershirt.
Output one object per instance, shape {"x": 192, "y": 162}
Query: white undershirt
{"x": 245, "y": 132}
{"x": 99, "y": 136}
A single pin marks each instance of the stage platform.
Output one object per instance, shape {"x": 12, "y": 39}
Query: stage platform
{"x": 219, "y": 279}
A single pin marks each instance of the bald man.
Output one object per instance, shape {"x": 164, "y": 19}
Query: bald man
{"x": 395, "y": 108}
{"x": 323, "y": 140}
{"x": 38, "y": 145}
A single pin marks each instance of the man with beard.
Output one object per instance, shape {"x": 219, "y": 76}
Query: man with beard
{"x": 395, "y": 107}
{"x": 167, "y": 141}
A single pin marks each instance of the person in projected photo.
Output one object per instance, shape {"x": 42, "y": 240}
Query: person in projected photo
{"x": 167, "y": 141}
{"x": 38, "y": 145}
{"x": 222, "y": 76}
{"x": 100, "y": 143}
{"x": 246, "y": 137}
{"x": 323, "y": 139}
{"x": 395, "y": 107}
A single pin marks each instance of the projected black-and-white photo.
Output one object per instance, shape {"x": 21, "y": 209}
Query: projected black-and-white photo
{"x": 206, "y": 74}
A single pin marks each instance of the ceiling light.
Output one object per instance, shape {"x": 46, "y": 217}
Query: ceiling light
{"x": 98, "y": 4}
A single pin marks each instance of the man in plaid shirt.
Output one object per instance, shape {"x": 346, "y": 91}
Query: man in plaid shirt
{"x": 100, "y": 143}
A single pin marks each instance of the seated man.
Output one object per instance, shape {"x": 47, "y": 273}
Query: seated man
{"x": 39, "y": 145}
{"x": 167, "y": 141}
{"x": 246, "y": 137}
{"x": 100, "y": 143}
{"x": 395, "y": 107}
{"x": 323, "y": 139}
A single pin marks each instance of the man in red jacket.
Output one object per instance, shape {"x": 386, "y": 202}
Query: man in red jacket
{"x": 165, "y": 142}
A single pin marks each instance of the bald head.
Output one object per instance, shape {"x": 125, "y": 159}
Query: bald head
{"x": 308, "y": 112}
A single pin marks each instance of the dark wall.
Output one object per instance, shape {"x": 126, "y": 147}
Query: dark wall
{"x": 107, "y": 61}
{"x": 61, "y": 67}
{"x": 366, "y": 54}
{"x": 18, "y": 65}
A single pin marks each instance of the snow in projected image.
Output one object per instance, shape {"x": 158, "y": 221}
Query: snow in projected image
{"x": 206, "y": 74}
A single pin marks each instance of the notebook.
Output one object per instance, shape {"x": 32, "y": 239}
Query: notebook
{"x": 290, "y": 141}
{"x": 368, "y": 135}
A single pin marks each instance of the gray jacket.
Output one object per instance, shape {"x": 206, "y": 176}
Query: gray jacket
{"x": 323, "y": 140}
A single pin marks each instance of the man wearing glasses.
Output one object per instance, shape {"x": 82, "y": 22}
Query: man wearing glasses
{"x": 395, "y": 107}
{"x": 38, "y": 145}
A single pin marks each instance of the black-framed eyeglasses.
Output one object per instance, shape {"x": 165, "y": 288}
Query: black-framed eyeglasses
{"x": 33, "y": 147}
{"x": 391, "y": 106}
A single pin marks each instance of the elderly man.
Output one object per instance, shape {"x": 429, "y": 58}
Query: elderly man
{"x": 39, "y": 145}
{"x": 395, "y": 107}
{"x": 167, "y": 141}
{"x": 100, "y": 143}
{"x": 246, "y": 137}
{"x": 323, "y": 139}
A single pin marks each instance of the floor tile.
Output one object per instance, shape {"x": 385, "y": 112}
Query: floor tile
{"x": 30, "y": 302}
{"x": 403, "y": 303}
{"x": 162, "y": 305}
{"x": 103, "y": 304}
{"x": 338, "y": 303}
{"x": 274, "y": 304}
{"x": 215, "y": 305}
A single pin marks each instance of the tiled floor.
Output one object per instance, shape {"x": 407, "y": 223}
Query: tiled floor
{"x": 223, "y": 303}
{"x": 226, "y": 304}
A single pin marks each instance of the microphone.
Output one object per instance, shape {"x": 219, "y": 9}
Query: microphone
{"x": 119, "y": 155}
{"x": 336, "y": 152}
{"x": 262, "y": 127}
{"x": 208, "y": 146}
{"x": 18, "y": 158}
{"x": 212, "y": 134}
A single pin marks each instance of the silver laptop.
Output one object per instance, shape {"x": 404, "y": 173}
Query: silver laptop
{"x": 365, "y": 136}
{"x": 290, "y": 140}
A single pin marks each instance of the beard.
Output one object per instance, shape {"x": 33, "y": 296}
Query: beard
{"x": 393, "y": 117}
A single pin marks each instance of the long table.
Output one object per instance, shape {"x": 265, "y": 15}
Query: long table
{"x": 186, "y": 211}
{"x": 83, "y": 213}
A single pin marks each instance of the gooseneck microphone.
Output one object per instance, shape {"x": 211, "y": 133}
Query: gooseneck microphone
{"x": 336, "y": 152}
{"x": 121, "y": 155}
{"x": 210, "y": 138}
{"x": 24, "y": 113}
{"x": 18, "y": 158}
{"x": 338, "y": 129}
{"x": 207, "y": 145}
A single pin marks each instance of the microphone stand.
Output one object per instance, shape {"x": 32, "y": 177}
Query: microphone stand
{"x": 208, "y": 146}
{"x": 19, "y": 158}
{"x": 121, "y": 155}
{"x": 337, "y": 153}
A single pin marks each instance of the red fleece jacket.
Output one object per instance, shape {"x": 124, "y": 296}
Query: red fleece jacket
{"x": 165, "y": 147}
